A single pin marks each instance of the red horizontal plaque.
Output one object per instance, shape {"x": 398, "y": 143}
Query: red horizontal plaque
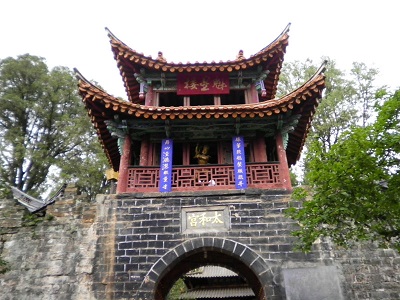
{"x": 203, "y": 84}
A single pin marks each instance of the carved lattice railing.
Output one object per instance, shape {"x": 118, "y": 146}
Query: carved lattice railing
{"x": 259, "y": 175}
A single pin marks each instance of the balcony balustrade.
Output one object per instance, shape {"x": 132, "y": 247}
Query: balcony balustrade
{"x": 197, "y": 178}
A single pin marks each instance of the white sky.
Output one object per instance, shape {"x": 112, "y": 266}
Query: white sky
{"x": 71, "y": 33}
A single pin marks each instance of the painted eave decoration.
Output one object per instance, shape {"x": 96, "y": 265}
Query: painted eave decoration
{"x": 131, "y": 62}
{"x": 104, "y": 108}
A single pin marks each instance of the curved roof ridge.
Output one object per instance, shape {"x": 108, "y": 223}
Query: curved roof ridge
{"x": 113, "y": 36}
{"x": 285, "y": 31}
{"x": 321, "y": 69}
{"x": 171, "y": 63}
{"x": 79, "y": 76}
{"x": 268, "y": 104}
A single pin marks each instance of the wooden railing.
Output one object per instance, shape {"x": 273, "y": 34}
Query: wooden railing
{"x": 191, "y": 178}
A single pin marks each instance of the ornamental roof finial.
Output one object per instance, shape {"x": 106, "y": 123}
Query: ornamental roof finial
{"x": 240, "y": 55}
{"x": 160, "y": 57}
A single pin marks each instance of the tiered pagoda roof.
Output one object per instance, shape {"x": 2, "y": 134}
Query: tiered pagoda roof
{"x": 300, "y": 104}
{"x": 130, "y": 62}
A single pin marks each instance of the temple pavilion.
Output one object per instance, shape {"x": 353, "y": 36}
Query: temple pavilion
{"x": 197, "y": 126}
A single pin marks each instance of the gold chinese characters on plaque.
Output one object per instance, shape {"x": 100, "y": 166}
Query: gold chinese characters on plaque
{"x": 211, "y": 83}
{"x": 213, "y": 218}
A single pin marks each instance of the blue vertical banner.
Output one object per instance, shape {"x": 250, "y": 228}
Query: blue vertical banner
{"x": 239, "y": 162}
{"x": 166, "y": 165}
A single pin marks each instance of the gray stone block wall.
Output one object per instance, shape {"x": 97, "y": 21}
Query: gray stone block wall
{"x": 369, "y": 272}
{"x": 119, "y": 247}
{"x": 147, "y": 227}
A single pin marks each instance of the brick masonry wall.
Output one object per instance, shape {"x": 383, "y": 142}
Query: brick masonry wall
{"x": 146, "y": 227}
{"x": 369, "y": 272}
{"x": 117, "y": 247}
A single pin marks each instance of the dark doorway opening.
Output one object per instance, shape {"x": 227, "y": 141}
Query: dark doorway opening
{"x": 208, "y": 257}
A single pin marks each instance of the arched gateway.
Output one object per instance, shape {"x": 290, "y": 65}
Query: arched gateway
{"x": 201, "y": 152}
{"x": 194, "y": 253}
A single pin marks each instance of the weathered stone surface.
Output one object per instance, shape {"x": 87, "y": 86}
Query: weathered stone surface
{"x": 49, "y": 257}
{"x": 148, "y": 225}
{"x": 119, "y": 247}
{"x": 312, "y": 283}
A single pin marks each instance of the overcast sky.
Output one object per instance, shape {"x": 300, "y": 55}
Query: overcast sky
{"x": 71, "y": 33}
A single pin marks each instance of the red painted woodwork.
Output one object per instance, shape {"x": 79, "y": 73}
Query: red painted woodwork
{"x": 144, "y": 152}
{"x": 123, "y": 166}
{"x": 253, "y": 94}
{"x": 284, "y": 170}
{"x": 149, "y": 96}
{"x": 186, "y": 154}
{"x": 260, "y": 153}
{"x": 193, "y": 178}
{"x": 209, "y": 83}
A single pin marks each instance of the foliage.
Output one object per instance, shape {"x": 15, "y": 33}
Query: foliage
{"x": 336, "y": 113}
{"x": 49, "y": 217}
{"x": 356, "y": 185}
{"x": 348, "y": 101}
{"x": 365, "y": 91}
{"x": 177, "y": 289}
{"x": 31, "y": 219}
{"x": 43, "y": 127}
{"x": 299, "y": 194}
{"x": 4, "y": 266}
{"x": 294, "y": 74}
{"x": 293, "y": 178}
{"x": 89, "y": 178}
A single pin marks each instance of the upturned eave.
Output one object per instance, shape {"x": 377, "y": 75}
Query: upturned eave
{"x": 103, "y": 107}
{"x": 269, "y": 59}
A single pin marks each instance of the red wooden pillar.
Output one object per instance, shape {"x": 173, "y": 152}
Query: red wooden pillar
{"x": 186, "y": 154}
{"x": 149, "y": 100}
{"x": 283, "y": 164}
{"x": 253, "y": 94}
{"x": 260, "y": 151}
{"x": 123, "y": 166}
{"x": 144, "y": 152}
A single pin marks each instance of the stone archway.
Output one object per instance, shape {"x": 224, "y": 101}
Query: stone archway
{"x": 206, "y": 251}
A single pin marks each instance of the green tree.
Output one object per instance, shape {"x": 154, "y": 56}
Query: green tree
{"x": 348, "y": 100}
{"x": 356, "y": 185}
{"x": 294, "y": 74}
{"x": 336, "y": 112}
{"x": 43, "y": 126}
{"x": 364, "y": 78}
